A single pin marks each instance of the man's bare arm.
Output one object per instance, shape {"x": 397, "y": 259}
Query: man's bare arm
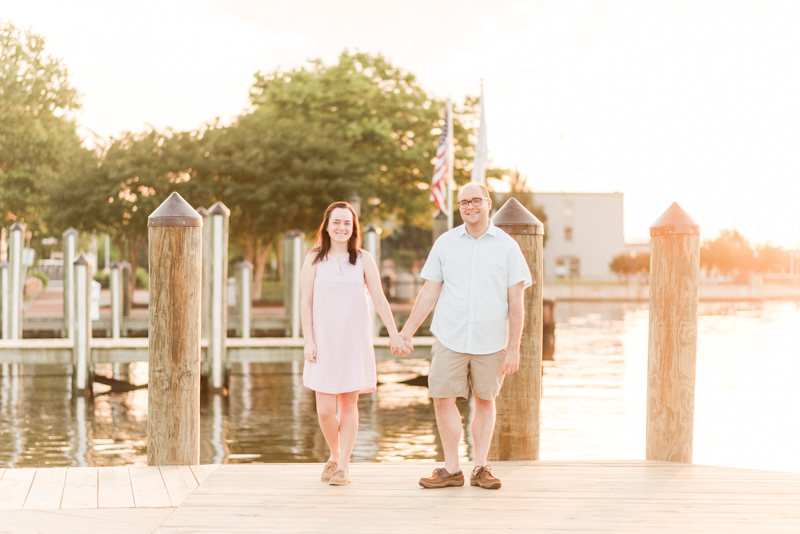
{"x": 516, "y": 316}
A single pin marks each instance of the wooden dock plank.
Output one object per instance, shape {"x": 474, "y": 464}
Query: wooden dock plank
{"x": 149, "y": 490}
{"x": 180, "y": 482}
{"x": 14, "y": 488}
{"x": 116, "y": 521}
{"x": 114, "y": 488}
{"x": 80, "y": 488}
{"x": 46, "y": 489}
{"x": 202, "y": 472}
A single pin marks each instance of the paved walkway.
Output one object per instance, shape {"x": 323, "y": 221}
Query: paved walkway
{"x": 558, "y": 497}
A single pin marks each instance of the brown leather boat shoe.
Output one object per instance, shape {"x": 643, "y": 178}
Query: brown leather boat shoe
{"x": 482, "y": 476}
{"x": 442, "y": 479}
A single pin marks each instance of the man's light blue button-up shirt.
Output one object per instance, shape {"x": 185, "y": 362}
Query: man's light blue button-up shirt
{"x": 471, "y": 315}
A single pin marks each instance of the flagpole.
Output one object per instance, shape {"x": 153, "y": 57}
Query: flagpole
{"x": 450, "y": 162}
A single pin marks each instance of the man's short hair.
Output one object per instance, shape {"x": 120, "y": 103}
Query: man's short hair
{"x": 483, "y": 187}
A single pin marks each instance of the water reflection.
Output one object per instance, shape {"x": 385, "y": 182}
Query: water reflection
{"x": 593, "y": 405}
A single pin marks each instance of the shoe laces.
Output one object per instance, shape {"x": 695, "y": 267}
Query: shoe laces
{"x": 479, "y": 470}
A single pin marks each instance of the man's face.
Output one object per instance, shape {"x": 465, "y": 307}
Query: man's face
{"x": 474, "y": 214}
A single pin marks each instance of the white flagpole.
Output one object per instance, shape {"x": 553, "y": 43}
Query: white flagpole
{"x": 450, "y": 162}
{"x": 481, "y": 160}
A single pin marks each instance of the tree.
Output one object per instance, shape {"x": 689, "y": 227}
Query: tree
{"x": 38, "y": 140}
{"x": 629, "y": 263}
{"x": 730, "y": 253}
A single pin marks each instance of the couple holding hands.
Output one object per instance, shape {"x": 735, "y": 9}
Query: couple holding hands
{"x": 475, "y": 276}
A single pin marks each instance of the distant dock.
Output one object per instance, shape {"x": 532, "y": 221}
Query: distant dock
{"x": 554, "y": 496}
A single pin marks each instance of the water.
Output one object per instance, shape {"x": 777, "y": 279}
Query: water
{"x": 593, "y": 406}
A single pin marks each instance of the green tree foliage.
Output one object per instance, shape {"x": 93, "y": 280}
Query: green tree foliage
{"x": 38, "y": 141}
{"x": 626, "y": 264}
{"x": 731, "y": 254}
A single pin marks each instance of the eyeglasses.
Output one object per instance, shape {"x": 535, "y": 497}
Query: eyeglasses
{"x": 464, "y": 204}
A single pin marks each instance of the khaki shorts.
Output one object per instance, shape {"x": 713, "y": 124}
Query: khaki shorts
{"x": 452, "y": 373}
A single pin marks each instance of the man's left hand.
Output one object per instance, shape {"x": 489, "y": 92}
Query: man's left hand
{"x": 511, "y": 361}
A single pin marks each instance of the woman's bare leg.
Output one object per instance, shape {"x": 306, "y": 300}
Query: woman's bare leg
{"x": 326, "y": 413}
{"x": 348, "y": 427}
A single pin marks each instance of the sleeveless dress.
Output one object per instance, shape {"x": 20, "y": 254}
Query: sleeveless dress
{"x": 342, "y": 330}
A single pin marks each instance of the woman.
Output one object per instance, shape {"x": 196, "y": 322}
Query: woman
{"x": 340, "y": 359}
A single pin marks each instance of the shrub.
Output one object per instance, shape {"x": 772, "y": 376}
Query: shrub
{"x": 142, "y": 278}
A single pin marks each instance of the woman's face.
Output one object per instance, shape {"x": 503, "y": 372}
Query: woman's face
{"x": 340, "y": 226}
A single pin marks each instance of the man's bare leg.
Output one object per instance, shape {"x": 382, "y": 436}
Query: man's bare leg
{"x": 482, "y": 428}
{"x": 448, "y": 419}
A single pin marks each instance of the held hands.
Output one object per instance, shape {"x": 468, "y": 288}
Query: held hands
{"x": 401, "y": 345}
{"x": 511, "y": 361}
{"x": 310, "y": 352}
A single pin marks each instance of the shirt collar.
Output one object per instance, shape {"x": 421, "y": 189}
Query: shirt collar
{"x": 491, "y": 230}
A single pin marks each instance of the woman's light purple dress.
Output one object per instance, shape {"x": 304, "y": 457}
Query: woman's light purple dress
{"x": 342, "y": 330}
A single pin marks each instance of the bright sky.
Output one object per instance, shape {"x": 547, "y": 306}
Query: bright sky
{"x": 666, "y": 100}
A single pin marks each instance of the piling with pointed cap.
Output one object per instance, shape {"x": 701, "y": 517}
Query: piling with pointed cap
{"x": 82, "y": 339}
{"x": 218, "y": 309}
{"x": 672, "y": 340}
{"x": 5, "y": 296}
{"x": 516, "y": 431}
{"x": 244, "y": 301}
{"x": 173, "y": 412}
{"x": 205, "y": 302}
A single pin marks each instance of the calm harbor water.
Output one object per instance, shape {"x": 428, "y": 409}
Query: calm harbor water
{"x": 593, "y": 407}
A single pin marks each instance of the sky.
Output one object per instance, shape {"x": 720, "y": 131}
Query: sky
{"x": 664, "y": 100}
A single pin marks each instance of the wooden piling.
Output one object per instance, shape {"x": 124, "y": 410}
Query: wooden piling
{"x": 244, "y": 301}
{"x": 69, "y": 244}
{"x": 127, "y": 296}
{"x": 439, "y": 224}
{"x": 5, "y": 297}
{"x": 516, "y": 431}
{"x": 205, "y": 302}
{"x": 672, "y": 340}
{"x": 82, "y": 338}
{"x": 175, "y": 256}
{"x": 372, "y": 242}
{"x": 218, "y": 311}
{"x": 115, "y": 285}
{"x": 16, "y": 242}
{"x": 293, "y": 258}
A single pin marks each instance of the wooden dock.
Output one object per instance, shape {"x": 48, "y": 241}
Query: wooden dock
{"x": 558, "y": 497}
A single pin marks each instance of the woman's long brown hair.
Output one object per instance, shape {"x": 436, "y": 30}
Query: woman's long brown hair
{"x": 323, "y": 244}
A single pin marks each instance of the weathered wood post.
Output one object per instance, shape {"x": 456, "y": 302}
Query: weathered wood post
{"x": 16, "y": 242}
{"x": 5, "y": 296}
{"x": 205, "y": 302}
{"x": 516, "y": 431}
{"x": 69, "y": 244}
{"x": 82, "y": 339}
{"x": 672, "y": 340}
{"x": 115, "y": 285}
{"x": 372, "y": 242}
{"x": 218, "y": 312}
{"x": 244, "y": 302}
{"x": 127, "y": 297}
{"x": 175, "y": 256}
{"x": 293, "y": 258}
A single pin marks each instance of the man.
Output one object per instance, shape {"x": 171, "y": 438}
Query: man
{"x": 475, "y": 275}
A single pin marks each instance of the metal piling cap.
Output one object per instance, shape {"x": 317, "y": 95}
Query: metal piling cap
{"x": 514, "y": 218}
{"x": 202, "y": 211}
{"x": 115, "y": 265}
{"x": 244, "y": 264}
{"x": 373, "y": 228}
{"x": 293, "y": 233}
{"x": 674, "y": 221}
{"x": 17, "y": 226}
{"x": 69, "y": 231}
{"x": 82, "y": 259}
{"x": 218, "y": 208}
{"x": 174, "y": 212}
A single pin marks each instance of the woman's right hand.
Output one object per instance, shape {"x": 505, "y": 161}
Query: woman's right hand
{"x": 310, "y": 352}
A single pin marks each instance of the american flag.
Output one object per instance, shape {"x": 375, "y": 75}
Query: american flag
{"x": 440, "y": 170}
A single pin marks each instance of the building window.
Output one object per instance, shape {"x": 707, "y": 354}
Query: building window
{"x": 568, "y": 267}
{"x": 567, "y": 234}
